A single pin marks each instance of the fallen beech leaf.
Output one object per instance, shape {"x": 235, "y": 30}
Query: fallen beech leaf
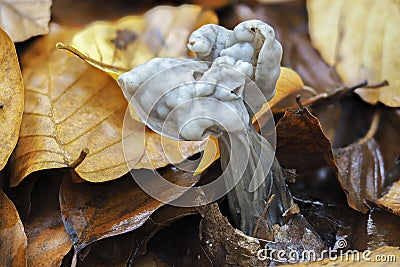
{"x": 359, "y": 43}
{"x": 48, "y": 241}
{"x": 95, "y": 211}
{"x": 116, "y": 47}
{"x": 211, "y": 3}
{"x": 70, "y": 106}
{"x": 363, "y": 165}
{"x": 289, "y": 82}
{"x": 391, "y": 200}
{"x": 301, "y": 143}
{"x": 22, "y": 19}
{"x": 11, "y": 97}
{"x": 12, "y": 236}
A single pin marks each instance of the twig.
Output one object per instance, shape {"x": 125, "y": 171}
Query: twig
{"x": 263, "y": 213}
{"x": 79, "y": 160}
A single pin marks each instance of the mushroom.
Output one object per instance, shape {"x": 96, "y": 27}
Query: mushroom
{"x": 190, "y": 99}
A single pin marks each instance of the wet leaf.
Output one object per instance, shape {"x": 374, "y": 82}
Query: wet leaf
{"x": 12, "y": 236}
{"x": 151, "y": 260}
{"x": 363, "y": 165}
{"x": 48, "y": 241}
{"x": 116, "y": 47}
{"x": 11, "y": 97}
{"x": 289, "y": 82}
{"x": 301, "y": 143}
{"x": 95, "y": 211}
{"x": 71, "y": 106}
{"x": 22, "y": 19}
{"x": 359, "y": 43}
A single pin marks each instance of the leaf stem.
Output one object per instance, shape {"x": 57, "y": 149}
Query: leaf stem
{"x": 372, "y": 129}
{"x": 79, "y": 160}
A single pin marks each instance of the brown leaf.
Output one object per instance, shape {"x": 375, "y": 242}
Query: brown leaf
{"x": 22, "y": 19}
{"x": 359, "y": 43}
{"x": 11, "y": 97}
{"x": 363, "y": 164}
{"x": 95, "y": 211}
{"x": 12, "y": 236}
{"x": 391, "y": 200}
{"x": 301, "y": 143}
{"x": 70, "y": 106}
{"x": 150, "y": 260}
{"x": 225, "y": 245}
{"x": 48, "y": 241}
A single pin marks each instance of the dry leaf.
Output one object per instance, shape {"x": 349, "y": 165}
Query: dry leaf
{"x": 391, "y": 200}
{"x": 12, "y": 236}
{"x": 11, "y": 97}
{"x": 70, "y": 106}
{"x": 301, "y": 143}
{"x": 48, "y": 241}
{"x": 362, "y": 43}
{"x": 95, "y": 211}
{"x": 289, "y": 82}
{"x": 116, "y": 47}
{"x": 22, "y": 19}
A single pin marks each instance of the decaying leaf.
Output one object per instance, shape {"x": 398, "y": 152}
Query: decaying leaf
{"x": 363, "y": 165}
{"x": 11, "y": 97}
{"x": 360, "y": 43}
{"x": 95, "y": 211}
{"x": 118, "y": 47}
{"x": 12, "y": 236}
{"x": 48, "y": 241}
{"x": 289, "y": 82}
{"x": 301, "y": 143}
{"x": 391, "y": 200}
{"x": 22, "y": 19}
{"x": 71, "y": 106}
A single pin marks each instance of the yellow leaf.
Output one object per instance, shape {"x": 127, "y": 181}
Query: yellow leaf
{"x": 22, "y": 19}
{"x": 289, "y": 82}
{"x": 11, "y": 98}
{"x": 70, "y": 106}
{"x": 116, "y": 47}
{"x": 360, "y": 38}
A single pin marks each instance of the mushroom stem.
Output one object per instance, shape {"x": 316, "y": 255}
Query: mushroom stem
{"x": 259, "y": 181}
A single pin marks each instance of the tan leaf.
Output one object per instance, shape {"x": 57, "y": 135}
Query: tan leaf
{"x": 360, "y": 38}
{"x": 12, "y": 236}
{"x": 22, "y": 19}
{"x": 11, "y": 98}
{"x": 116, "y": 47}
{"x": 391, "y": 200}
{"x": 70, "y": 106}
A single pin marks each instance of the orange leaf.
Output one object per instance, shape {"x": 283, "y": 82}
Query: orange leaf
{"x": 11, "y": 97}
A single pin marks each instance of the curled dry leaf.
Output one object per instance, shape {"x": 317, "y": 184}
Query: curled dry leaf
{"x": 288, "y": 82}
{"x": 301, "y": 143}
{"x": 12, "y": 236}
{"x": 391, "y": 200}
{"x": 22, "y": 19}
{"x": 48, "y": 241}
{"x": 363, "y": 165}
{"x": 11, "y": 97}
{"x": 71, "y": 106}
{"x": 116, "y": 47}
{"x": 359, "y": 43}
{"x": 95, "y": 211}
